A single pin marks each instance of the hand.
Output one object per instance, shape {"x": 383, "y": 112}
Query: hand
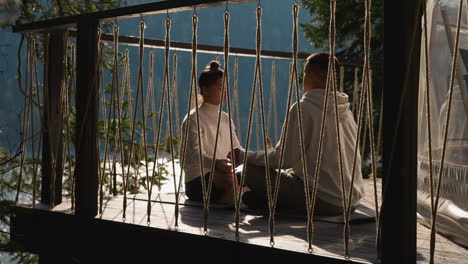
{"x": 236, "y": 156}
{"x": 223, "y": 166}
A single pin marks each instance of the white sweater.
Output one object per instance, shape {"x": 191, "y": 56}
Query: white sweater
{"x": 208, "y": 115}
{"x": 329, "y": 185}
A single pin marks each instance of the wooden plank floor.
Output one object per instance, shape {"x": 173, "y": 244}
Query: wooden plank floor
{"x": 290, "y": 232}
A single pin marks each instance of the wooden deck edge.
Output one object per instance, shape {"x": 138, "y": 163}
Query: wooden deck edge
{"x": 69, "y": 238}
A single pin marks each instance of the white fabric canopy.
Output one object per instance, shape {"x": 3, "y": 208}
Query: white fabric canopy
{"x": 452, "y": 219}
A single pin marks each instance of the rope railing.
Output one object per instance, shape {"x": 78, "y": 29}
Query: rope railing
{"x": 144, "y": 104}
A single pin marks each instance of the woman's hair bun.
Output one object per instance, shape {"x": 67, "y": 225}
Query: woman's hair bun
{"x": 214, "y": 66}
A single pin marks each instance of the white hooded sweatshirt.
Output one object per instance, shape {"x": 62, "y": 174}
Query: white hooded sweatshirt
{"x": 329, "y": 184}
{"x": 208, "y": 115}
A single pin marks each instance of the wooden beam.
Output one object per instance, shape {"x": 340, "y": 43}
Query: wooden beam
{"x": 86, "y": 168}
{"x": 52, "y": 137}
{"x": 148, "y": 9}
{"x": 400, "y": 132}
{"x": 103, "y": 241}
{"x": 208, "y": 49}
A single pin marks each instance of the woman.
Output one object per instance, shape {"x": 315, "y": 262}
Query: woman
{"x": 211, "y": 85}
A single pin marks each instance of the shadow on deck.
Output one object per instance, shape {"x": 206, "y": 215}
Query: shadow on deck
{"x": 107, "y": 238}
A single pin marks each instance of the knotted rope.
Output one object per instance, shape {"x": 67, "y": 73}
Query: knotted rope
{"x": 107, "y": 125}
{"x": 139, "y": 90}
{"x": 341, "y": 79}
{"x": 332, "y": 84}
{"x": 235, "y": 95}
{"x": 224, "y": 90}
{"x": 355, "y": 90}
{"x": 295, "y": 82}
{"x": 37, "y": 92}
{"x": 249, "y": 126}
{"x": 169, "y": 107}
{"x": 445, "y": 134}
{"x": 25, "y": 120}
{"x": 272, "y": 103}
{"x": 192, "y": 93}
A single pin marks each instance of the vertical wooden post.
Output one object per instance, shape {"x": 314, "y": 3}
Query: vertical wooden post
{"x": 401, "y": 83}
{"x": 86, "y": 170}
{"x": 52, "y": 136}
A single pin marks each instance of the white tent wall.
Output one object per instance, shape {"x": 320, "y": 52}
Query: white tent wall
{"x": 452, "y": 217}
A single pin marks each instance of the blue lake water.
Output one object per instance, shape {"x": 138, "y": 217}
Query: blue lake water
{"x": 277, "y": 35}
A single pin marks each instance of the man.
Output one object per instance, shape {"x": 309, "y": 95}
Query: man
{"x": 291, "y": 195}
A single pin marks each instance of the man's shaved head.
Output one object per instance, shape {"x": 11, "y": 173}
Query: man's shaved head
{"x": 317, "y": 64}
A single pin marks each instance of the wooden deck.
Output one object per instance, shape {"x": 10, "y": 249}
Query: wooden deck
{"x": 290, "y": 231}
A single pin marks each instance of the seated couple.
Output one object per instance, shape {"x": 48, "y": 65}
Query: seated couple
{"x": 291, "y": 195}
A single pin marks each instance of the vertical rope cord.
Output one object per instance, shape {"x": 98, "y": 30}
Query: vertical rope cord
{"x": 319, "y": 155}
{"x": 282, "y": 141}
{"x": 143, "y": 143}
{"x": 236, "y": 99}
{"x": 139, "y": 90}
{"x": 332, "y": 84}
{"x": 31, "y": 112}
{"x": 25, "y": 120}
{"x": 30, "y": 101}
{"x": 259, "y": 81}
{"x": 115, "y": 114}
{"x": 295, "y": 81}
{"x": 364, "y": 137}
{"x": 192, "y": 93}
{"x": 258, "y": 77}
{"x": 36, "y": 92}
{"x": 66, "y": 114}
{"x": 126, "y": 89}
{"x": 169, "y": 108}
{"x": 107, "y": 124}
{"x": 142, "y": 102}
{"x": 223, "y": 93}
{"x": 120, "y": 96}
{"x": 103, "y": 109}
{"x": 299, "y": 114}
{"x": 370, "y": 112}
{"x": 129, "y": 88}
{"x": 445, "y": 134}
{"x": 360, "y": 112}
{"x": 156, "y": 144}
{"x": 272, "y": 103}
{"x": 193, "y": 88}
{"x": 342, "y": 79}
{"x": 150, "y": 97}
{"x": 175, "y": 91}
{"x": 143, "y": 105}
{"x": 368, "y": 76}
{"x": 100, "y": 60}
{"x": 355, "y": 90}
{"x": 275, "y": 109}
{"x": 249, "y": 126}
{"x": 69, "y": 129}
{"x": 236, "y": 188}
{"x": 379, "y": 133}
{"x": 428, "y": 111}
{"x": 41, "y": 125}
{"x": 262, "y": 113}
{"x": 257, "y": 123}
{"x": 270, "y": 98}
{"x": 360, "y": 109}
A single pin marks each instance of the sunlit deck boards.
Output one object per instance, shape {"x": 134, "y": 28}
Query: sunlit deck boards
{"x": 290, "y": 231}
